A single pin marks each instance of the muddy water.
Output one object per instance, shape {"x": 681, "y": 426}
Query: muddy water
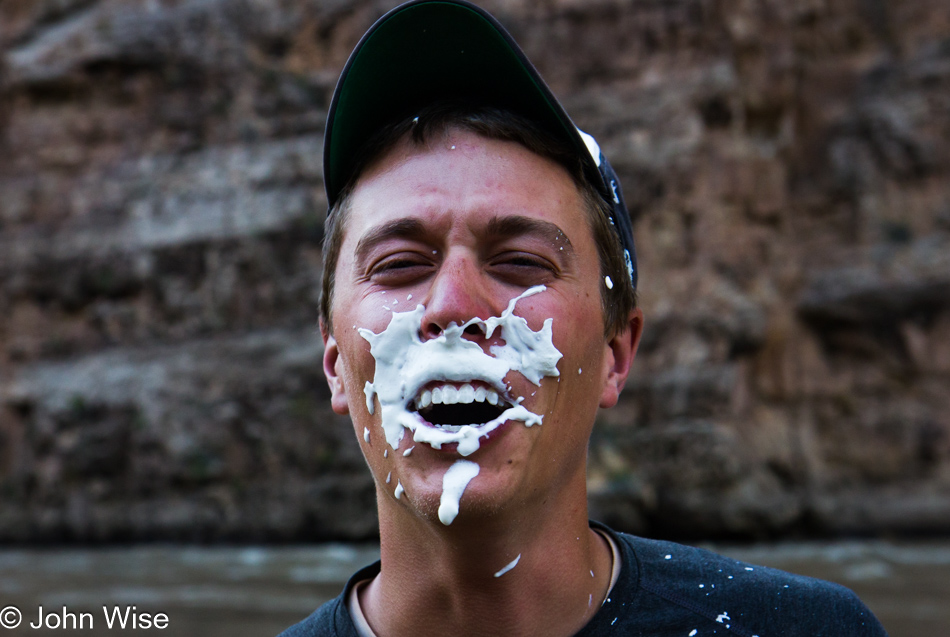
{"x": 204, "y": 592}
{"x": 245, "y": 592}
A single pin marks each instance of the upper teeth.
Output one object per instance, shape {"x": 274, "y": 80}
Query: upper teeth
{"x": 451, "y": 395}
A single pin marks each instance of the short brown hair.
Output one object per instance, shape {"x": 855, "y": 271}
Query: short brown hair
{"x": 617, "y": 300}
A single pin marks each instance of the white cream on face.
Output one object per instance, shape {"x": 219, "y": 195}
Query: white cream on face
{"x": 405, "y": 364}
{"x": 513, "y": 563}
{"x": 454, "y": 481}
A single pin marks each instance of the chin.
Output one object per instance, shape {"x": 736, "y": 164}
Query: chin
{"x": 497, "y": 487}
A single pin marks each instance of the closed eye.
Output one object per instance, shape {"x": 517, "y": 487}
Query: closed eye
{"x": 521, "y": 268}
{"x": 400, "y": 269}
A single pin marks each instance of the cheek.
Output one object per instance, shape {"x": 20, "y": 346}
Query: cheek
{"x": 355, "y": 365}
{"x": 582, "y": 366}
{"x": 577, "y": 323}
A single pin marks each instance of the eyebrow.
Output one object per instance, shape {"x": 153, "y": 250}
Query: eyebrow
{"x": 497, "y": 228}
{"x": 513, "y": 226}
{"x": 397, "y": 229}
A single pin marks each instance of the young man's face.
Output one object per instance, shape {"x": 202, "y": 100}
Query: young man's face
{"x": 462, "y": 227}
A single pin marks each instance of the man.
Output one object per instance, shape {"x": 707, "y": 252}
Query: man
{"x": 478, "y": 308}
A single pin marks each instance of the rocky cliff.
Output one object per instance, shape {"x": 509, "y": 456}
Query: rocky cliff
{"x": 161, "y": 213}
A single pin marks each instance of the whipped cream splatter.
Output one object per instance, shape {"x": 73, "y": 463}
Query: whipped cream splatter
{"x": 513, "y": 563}
{"x": 405, "y": 364}
{"x": 454, "y": 481}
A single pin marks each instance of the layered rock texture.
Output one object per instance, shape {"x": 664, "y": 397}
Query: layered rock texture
{"x": 161, "y": 212}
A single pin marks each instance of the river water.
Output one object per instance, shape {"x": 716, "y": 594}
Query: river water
{"x": 254, "y": 592}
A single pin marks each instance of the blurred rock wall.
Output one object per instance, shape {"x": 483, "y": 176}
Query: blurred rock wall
{"x": 161, "y": 212}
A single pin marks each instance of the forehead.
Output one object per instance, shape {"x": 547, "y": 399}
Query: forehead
{"x": 460, "y": 175}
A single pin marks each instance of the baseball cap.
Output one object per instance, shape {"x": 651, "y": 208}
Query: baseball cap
{"x": 429, "y": 51}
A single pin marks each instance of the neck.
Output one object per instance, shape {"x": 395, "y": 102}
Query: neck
{"x": 438, "y": 580}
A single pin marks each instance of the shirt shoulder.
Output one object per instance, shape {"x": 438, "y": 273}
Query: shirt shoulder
{"x": 321, "y": 623}
{"x": 332, "y": 619}
{"x": 666, "y": 589}
{"x": 746, "y": 599}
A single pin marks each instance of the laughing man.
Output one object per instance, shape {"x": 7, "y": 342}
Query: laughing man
{"x": 478, "y": 308}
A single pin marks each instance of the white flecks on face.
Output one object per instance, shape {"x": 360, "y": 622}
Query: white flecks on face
{"x": 369, "y": 390}
{"x": 366, "y": 434}
{"x": 389, "y": 476}
{"x": 405, "y": 364}
{"x": 399, "y": 490}
{"x": 454, "y": 481}
{"x": 513, "y": 563}
{"x": 408, "y": 451}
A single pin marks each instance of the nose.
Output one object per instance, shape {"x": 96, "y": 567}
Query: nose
{"x": 458, "y": 293}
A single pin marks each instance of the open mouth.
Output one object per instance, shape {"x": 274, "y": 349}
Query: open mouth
{"x": 450, "y": 407}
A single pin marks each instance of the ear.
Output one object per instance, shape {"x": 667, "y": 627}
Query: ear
{"x": 331, "y": 364}
{"x": 621, "y": 350}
